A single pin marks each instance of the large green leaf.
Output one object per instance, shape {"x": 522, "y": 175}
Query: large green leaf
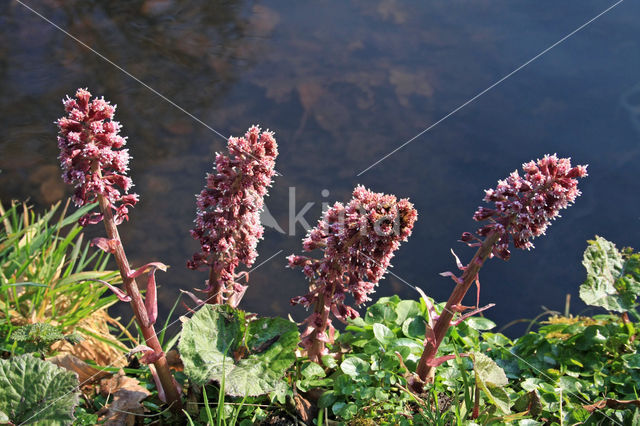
{"x": 491, "y": 379}
{"x": 38, "y": 392}
{"x": 354, "y": 367}
{"x": 251, "y": 355}
{"x": 613, "y": 278}
{"x": 383, "y": 334}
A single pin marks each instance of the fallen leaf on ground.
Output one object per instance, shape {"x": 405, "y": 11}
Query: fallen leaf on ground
{"x": 86, "y": 373}
{"x": 125, "y": 394}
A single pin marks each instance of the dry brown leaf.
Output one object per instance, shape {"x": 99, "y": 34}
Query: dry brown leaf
{"x": 86, "y": 373}
{"x": 126, "y": 395}
{"x": 305, "y": 409}
{"x": 93, "y": 349}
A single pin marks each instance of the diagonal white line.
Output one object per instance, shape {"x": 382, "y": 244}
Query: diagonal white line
{"x": 165, "y": 328}
{"x": 491, "y": 87}
{"x": 129, "y": 74}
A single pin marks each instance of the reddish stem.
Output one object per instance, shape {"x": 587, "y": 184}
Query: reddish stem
{"x": 137, "y": 304}
{"x": 443, "y": 323}
{"x": 215, "y": 296}
{"x": 317, "y": 347}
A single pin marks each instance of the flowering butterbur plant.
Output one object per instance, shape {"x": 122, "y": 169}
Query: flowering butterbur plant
{"x": 228, "y": 218}
{"x": 91, "y": 156}
{"x": 523, "y": 209}
{"x": 92, "y": 160}
{"x": 358, "y": 241}
{"x": 525, "y": 205}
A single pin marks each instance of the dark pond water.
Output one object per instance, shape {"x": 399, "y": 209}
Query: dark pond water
{"x": 342, "y": 84}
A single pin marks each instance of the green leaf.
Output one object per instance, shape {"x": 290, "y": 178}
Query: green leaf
{"x": 480, "y": 323}
{"x": 383, "y": 334}
{"x": 312, "y": 370}
{"x": 354, "y": 367}
{"x": 252, "y": 356}
{"x": 37, "y": 392}
{"x": 327, "y": 399}
{"x": 407, "y": 309}
{"x": 414, "y": 327}
{"x": 613, "y": 278}
{"x": 329, "y": 361}
{"x": 631, "y": 360}
{"x": 380, "y": 312}
{"x": 491, "y": 379}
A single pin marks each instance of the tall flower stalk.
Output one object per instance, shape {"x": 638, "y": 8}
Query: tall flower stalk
{"x": 358, "y": 241}
{"x": 524, "y": 207}
{"x": 227, "y": 224}
{"x": 94, "y": 163}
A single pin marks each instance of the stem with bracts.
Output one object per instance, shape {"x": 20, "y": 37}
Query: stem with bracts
{"x": 140, "y": 310}
{"x": 434, "y": 337}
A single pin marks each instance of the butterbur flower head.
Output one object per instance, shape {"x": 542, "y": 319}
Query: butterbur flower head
{"x": 91, "y": 156}
{"x": 523, "y": 206}
{"x": 227, "y": 223}
{"x": 358, "y": 241}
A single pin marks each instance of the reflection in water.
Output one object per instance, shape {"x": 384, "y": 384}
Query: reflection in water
{"x": 341, "y": 84}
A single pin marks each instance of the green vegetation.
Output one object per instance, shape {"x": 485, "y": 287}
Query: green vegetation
{"x": 242, "y": 369}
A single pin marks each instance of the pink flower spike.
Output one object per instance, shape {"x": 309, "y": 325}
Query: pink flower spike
{"x": 119, "y": 293}
{"x": 227, "y": 223}
{"x": 524, "y": 206}
{"x": 357, "y": 242}
{"x": 91, "y": 156}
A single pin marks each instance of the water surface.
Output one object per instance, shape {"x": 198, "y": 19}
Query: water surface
{"x": 342, "y": 84}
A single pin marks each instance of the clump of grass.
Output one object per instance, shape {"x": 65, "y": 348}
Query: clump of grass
{"x": 48, "y": 272}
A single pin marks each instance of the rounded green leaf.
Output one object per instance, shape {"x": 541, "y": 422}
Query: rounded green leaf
{"x": 407, "y": 309}
{"x": 219, "y": 342}
{"x": 354, "y": 367}
{"x": 380, "y": 312}
{"x": 383, "y": 334}
{"x": 414, "y": 327}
